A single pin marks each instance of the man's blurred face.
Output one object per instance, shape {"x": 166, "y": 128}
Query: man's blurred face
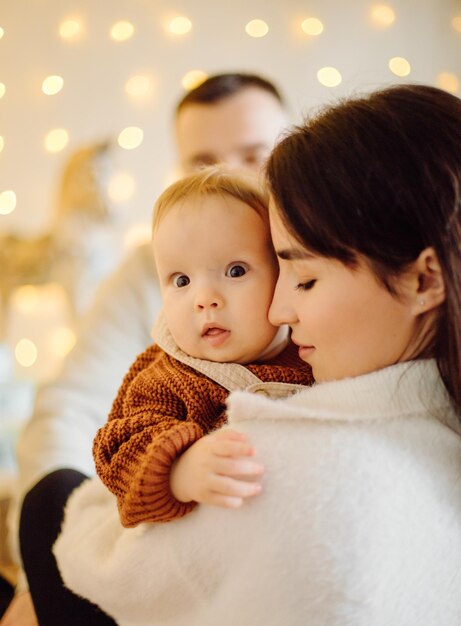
{"x": 239, "y": 131}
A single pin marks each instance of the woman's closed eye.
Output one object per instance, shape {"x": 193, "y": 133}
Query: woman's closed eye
{"x": 180, "y": 280}
{"x": 236, "y": 270}
{"x": 305, "y": 286}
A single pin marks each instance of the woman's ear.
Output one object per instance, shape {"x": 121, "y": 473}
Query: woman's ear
{"x": 429, "y": 286}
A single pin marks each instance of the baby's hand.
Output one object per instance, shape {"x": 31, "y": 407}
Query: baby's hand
{"x": 217, "y": 469}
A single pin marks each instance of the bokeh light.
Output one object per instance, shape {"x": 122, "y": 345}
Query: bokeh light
{"x": 138, "y": 86}
{"x": 399, "y": 66}
{"x": 456, "y": 23}
{"x": 257, "y": 28}
{"x": 70, "y": 29}
{"x": 2, "y": 32}
{"x": 56, "y": 140}
{"x": 121, "y": 187}
{"x": 448, "y": 81}
{"x": 26, "y": 298}
{"x": 130, "y": 137}
{"x": 312, "y": 26}
{"x": 2, "y": 143}
{"x": 121, "y": 31}
{"x": 382, "y": 15}
{"x": 329, "y": 77}
{"x": 2, "y": 90}
{"x": 62, "y": 340}
{"x": 26, "y": 352}
{"x": 7, "y": 202}
{"x": 52, "y": 85}
{"x": 193, "y": 79}
{"x": 180, "y": 25}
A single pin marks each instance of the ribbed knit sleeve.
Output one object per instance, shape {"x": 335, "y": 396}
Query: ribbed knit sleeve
{"x": 149, "y": 427}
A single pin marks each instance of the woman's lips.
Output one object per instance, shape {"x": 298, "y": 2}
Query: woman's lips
{"x": 305, "y": 352}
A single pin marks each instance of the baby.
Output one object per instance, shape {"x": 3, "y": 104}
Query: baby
{"x": 161, "y": 451}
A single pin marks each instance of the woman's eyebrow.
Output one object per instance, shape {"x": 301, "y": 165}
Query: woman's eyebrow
{"x": 294, "y": 254}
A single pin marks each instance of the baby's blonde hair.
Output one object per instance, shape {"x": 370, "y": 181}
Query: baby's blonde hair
{"x": 213, "y": 180}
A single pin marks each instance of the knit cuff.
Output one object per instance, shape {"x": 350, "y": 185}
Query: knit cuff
{"x": 152, "y": 499}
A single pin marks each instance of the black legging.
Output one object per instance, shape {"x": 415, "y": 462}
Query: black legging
{"x": 41, "y": 518}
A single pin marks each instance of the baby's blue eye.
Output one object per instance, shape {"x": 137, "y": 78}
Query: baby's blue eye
{"x": 235, "y": 271}
{"x": 181, "y": 280}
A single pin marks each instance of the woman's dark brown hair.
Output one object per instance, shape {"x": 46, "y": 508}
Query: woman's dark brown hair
{"x": 380, "y": 176}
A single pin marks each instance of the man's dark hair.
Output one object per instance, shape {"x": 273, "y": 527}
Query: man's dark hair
{"x": 221, "y": 86}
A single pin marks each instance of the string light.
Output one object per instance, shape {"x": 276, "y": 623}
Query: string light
{"x": 257, "y": 28}
{"x": 121, "y": 31}
{"x": 329, "y": 77}
{"x": 52, "y": 85}
{"x": 399, "y": 66}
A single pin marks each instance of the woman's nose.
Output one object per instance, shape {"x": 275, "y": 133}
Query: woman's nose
{"x": 280, "y": 311}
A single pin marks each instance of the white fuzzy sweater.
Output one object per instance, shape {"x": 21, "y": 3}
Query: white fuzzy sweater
{"x": 359, "y": 522}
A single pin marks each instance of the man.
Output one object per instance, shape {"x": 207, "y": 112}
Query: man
{"x": 230, "y": 118}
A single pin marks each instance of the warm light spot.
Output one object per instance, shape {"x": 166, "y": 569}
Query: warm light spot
{"x": 130, "y": 137}
{"x": 137, "y": 235}
{"x": 448, "y": 81}
{"x": 2, "y": 90}
{"x": 329, "y": 77}
{"x": 382, "y": 15}
{"x": 193, "y": 79}
{"x": 2, "y": 32}
{"x": 26, "y": 352}
{"x": 257, "y": 28}
{"x": 7, "y": 202}
{"x": 52, "y": 85}
{"x": 26, "y": 298}
{"x": 56, "y": 140}
{"x": 70, "y": 29}
{"x": 2, "y": 143}
{"x": 456, "y": 23}
{"x": 180, "y": 25}
{"x": 62, "y": 341}
{"x": 399, "y": 66}
{"x": 121, "y": 187}
{"x": 138, "y": 86}
{"x": 121, "y": 31}
{"x": 312, "y": 26}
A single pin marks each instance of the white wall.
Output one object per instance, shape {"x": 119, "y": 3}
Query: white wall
{"x": 93, "y": 105}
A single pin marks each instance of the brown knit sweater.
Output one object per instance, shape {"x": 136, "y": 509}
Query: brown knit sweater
{"x": 162, "y": 408}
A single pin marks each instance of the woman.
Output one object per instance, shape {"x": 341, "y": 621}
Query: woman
{"x": 359, "y": 519}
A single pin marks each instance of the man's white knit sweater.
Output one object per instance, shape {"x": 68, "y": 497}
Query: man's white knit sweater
{"x": 359, "y": 522}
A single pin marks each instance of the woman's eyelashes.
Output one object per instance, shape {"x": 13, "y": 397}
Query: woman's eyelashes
{"x": 305, "y": 286}
{"x": 236, "y": 270}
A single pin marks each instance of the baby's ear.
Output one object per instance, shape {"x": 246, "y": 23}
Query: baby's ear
{"x": 429, "y": 285}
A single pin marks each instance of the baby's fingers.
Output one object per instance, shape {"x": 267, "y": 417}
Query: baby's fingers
{"x": 228, "y": 487}
{"x": 227, "y": 466}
